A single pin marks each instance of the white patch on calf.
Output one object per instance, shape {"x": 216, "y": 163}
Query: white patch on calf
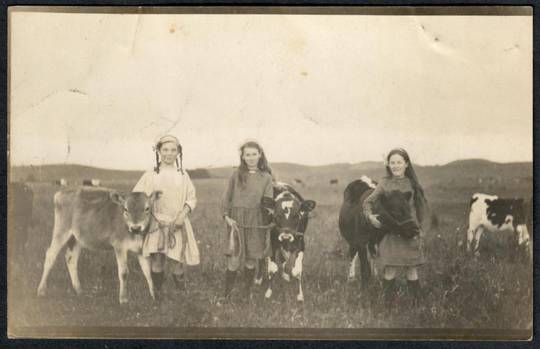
{"x": 368, "y": 181}
{"x": 523, "y": 235}
{"x": 272, "y": 267}
{"x": 287, "y": 207}
{"x": 268, "y": 293}
{"x": 285, "y": 276}
{"x": 282, "y": 195}
{"x": 352, "y": 267}
{"x": 297, "y": 270}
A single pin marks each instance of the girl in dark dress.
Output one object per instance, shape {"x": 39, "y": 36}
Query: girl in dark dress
{"x": 397, "y": 252}
{"x": 241, "y": 209}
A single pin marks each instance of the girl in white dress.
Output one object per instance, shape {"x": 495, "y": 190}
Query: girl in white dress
{"x": 171, "y": 234}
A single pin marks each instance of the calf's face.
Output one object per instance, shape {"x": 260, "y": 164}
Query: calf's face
{"x": 290, "y": 215}
{"x": 137, "y": 209}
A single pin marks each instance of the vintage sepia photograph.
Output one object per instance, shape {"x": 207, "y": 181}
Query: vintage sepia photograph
{"x": 270, "y": 172}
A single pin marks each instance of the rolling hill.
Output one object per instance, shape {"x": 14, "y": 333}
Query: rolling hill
{"x": 469, "y": 169}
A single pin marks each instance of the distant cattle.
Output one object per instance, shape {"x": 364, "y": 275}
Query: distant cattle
{"x": 395, "y": 216}
{"x": 290, "y": 214}
{"x": 334, "y": 181}
{"x": 92, "y": 182}
{"x": 494, "y": 215}
{"x": 298, "y": 181}
{"x": 99, "y": 218}
{"x": 61, "y": 182}
{"x": 20, "y": 208}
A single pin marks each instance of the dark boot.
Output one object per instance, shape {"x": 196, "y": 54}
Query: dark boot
{"x": 230, "y": 276}
{"x": 413, "y": 287}
{"x": 249, "y": 279}
{"x": 157, "y": 279}
{"x": 179, "y": 282}
{"x": 389, "y": 292}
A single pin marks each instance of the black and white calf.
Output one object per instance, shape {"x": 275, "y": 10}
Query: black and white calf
{"x": 489, "y": 213}
{"x": 290, "y": 216}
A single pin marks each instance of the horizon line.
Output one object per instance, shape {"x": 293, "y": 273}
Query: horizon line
{"x": 277, "y": 162}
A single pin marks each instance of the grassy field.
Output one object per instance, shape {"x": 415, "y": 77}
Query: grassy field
{"x": 458, "y": 292}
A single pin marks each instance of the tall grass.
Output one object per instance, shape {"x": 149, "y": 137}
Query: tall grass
{"x": 457, "y": 291}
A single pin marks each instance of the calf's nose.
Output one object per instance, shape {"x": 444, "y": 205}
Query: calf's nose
{"x": 136, "y": 228}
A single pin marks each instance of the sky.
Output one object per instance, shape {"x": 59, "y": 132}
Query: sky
{"x": 99, "y": 89}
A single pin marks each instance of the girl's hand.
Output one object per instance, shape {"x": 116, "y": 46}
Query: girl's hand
{"x": 230, "y": 222}
{"x": 374, "y": 221}
{"x": 182, "y": 215}
{"x": 180, "y": 219}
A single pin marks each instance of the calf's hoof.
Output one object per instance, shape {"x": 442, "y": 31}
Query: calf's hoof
{"x": 258, "y": 281}
{"x": 123, "y": 300}
{"x": 286, "y": 277}
{"x": 268, "y": 293}
{"x": 41, "y": 292}
{"x": 300, "y": 298}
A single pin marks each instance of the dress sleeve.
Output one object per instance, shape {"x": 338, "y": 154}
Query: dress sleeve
{"x": 226, "y": 201}
{"x": 191, "y": 198}
{"x": 144, "y": 185}
{"x": 269, "y": 188}
{"x": 370, "y": 201}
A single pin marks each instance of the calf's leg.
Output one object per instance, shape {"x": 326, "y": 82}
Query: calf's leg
{"x": 73, "y": 252}
{"x": 365, "y": 267}
{"x": 353, "y": 255}
{"x": 272, "y": 270}
{"x": 297, "y": 273}
{"x": 61, "y": 234}
{"x": 121, "y": 260}
{"x": 144, "y": 262}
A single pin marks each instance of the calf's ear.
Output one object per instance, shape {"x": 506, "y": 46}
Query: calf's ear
{"x": 156, "y": 195}
{"x": 308, "y": 205}
{"x": 117, "y": 198}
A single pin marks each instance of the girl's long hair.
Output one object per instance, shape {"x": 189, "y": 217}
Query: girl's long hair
{"x": 262, "y": 165}
{"x": 420, "y": 201}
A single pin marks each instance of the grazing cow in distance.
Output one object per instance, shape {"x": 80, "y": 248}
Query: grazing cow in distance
{"x": 61, "y": 182}
{"x": 491, "y": 214}
{"x": 334, "y": 181}
{"x": 95, "y": 182}
{"x": 298, "y": 181}
{"x": 290, "y": 214}
{"x": 87, "y": 182}
{"x": 20, "y": 208}
{"x": 100, "y": 218}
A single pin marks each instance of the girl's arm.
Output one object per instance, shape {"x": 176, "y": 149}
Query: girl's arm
{"x": 191, "y": 198}
{"x": 226, "y": 201}
{"x": 191, "y": 202}
{"x": 370, "y": 201}
{"x": 269, "y": 188}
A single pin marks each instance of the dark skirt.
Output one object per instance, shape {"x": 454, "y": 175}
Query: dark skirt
{"x": 397, "y": 251}
{"x": 254, "y": 238}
